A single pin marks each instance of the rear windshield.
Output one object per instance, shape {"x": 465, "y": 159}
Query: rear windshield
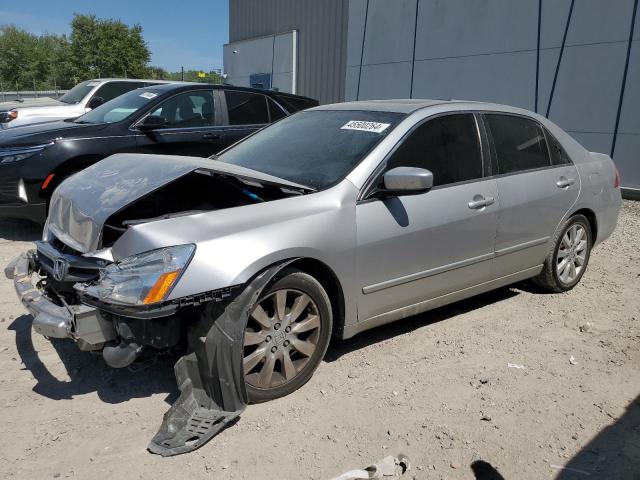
{"x": 315, "y": 148}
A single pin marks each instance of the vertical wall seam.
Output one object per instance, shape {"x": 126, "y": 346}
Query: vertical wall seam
{"x": 564, "y": 41}
{"x": 538, "y": 54}
{"x": 413, "y": 59}
{"x": 624, "y": 77}
{"x": 273, "y": 57}
{"x": 364, "y": 34}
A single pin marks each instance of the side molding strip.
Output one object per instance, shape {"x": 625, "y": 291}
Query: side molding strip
{"x": 394, "y": 282}
{"x": 521, "y": 246}
{"x": 410, "y": 310}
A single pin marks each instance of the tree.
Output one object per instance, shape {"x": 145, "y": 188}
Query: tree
{"x": 107, "y": 48}
{"x": 96, "y": 48}
{"x": 23, "y": 60}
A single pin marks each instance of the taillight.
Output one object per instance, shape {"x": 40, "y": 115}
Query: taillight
{"x": 616, "y": 182}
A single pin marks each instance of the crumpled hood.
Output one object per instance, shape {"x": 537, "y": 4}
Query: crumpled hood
{"x": 81, "y": 205}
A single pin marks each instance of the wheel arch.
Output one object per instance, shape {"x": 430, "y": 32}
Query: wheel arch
{"x": 324, "y": 274}
{"x": 330, "y": 282}
{"x": 593, "y": 221}
{"x": 66, "y": 168}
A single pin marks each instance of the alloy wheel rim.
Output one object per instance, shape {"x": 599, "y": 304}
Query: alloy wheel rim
{"x": 572, "y": 254}
{"x": 281, "y": 336}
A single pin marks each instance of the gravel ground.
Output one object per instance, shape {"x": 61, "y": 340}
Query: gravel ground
{"x": 438, "y": 387}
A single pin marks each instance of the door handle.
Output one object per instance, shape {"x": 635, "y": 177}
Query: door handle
{"x": 564, "y": 182}
{"x": 211, "y": 136}
{"x": 479, "y": 202}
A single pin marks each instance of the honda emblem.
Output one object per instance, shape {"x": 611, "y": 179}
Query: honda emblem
{"x": 60, "y": 267}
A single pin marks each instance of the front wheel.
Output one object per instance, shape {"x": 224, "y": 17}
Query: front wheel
{"x": 286, "y": 337}
{"x": 567, "y": 261}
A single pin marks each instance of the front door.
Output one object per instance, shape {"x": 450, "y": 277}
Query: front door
{"x": 190, "y": 127}
{"x": 537, "y": 185}
{"x": 417, "y": 247}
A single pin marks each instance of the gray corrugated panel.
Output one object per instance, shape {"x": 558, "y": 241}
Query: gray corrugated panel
{"x": 322, "y": 32}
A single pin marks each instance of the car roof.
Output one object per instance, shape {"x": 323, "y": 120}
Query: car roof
{"x": 115, "y": 79}
{"x": 411, "y": 105}
{"x": 190, "y": 85}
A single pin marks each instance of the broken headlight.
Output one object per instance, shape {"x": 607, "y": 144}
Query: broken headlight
{"x": 141, "y": 279}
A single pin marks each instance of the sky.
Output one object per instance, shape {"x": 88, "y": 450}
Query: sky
{"x": 187, "y": 33}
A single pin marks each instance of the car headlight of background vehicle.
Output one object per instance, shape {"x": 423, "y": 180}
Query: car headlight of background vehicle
{"x": 10, "y": 155}
{"x": 141, "y": 279}
{"x": 6, "y": 117}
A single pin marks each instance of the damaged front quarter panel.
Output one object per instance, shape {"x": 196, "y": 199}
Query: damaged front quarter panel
{"x": 238, "y": 251}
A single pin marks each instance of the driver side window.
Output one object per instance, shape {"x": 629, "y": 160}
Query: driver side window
{"x": 448, "y": 146}
{"x": 187, "y": 110}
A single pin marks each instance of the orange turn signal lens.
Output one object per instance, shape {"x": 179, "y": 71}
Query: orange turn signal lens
{"x": 47, "y": 180}
{"x": 161, "y": 287}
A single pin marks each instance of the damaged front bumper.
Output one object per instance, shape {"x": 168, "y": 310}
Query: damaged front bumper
{"x": 210, "y": 375}
{"x": 81, "y": 323}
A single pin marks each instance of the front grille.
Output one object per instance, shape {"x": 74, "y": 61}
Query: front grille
{"x": 71, "y": 268}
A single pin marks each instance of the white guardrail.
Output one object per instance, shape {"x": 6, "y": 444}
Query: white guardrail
{"x": 10, "y": 96}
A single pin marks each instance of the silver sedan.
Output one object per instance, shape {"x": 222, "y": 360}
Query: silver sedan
{"x": 333, "y": 221}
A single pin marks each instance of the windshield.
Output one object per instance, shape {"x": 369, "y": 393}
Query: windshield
{"x": 77, "y": 93}
{"x": 120, "y": 108}
{"x": 314, "y": 148}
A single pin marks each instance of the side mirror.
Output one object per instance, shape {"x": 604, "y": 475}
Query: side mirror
{"x": 153, "y": 122}
{"x": 407, "y": 181}
{"x": 95, "y": 102}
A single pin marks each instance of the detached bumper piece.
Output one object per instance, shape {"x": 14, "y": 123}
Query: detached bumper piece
{"x": 81, "y": 323}
{"x": 211, "y": 376}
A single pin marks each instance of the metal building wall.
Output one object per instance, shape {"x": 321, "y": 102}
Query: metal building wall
{"x": 322, "y": 30}
{"x": 577, "y": 61}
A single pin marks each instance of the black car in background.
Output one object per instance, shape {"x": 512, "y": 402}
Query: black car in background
{"x": 176, "y": 119}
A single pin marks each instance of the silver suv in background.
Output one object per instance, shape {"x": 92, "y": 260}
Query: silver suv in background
{"x": 79, "y": 100}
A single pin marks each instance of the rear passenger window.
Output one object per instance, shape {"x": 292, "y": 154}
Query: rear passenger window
{"x": 558, "y": 154}
{"x": 448, "y": 146}
{"x": 520, "y": 143}
{"x": 111, "y": 90}
{"x": 246, "y": 108}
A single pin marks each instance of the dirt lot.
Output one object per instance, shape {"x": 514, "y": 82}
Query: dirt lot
{"x": 437, "y": 387}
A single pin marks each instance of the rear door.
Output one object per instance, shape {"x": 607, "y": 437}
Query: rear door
{"x": 537, "y": 185}
{"x": 191, "y": 129}
{"x": 417, "y": 247}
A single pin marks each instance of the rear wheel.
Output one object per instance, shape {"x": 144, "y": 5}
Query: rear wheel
{"x": 286, "y": 337}
{"x": 568, "y": 259}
